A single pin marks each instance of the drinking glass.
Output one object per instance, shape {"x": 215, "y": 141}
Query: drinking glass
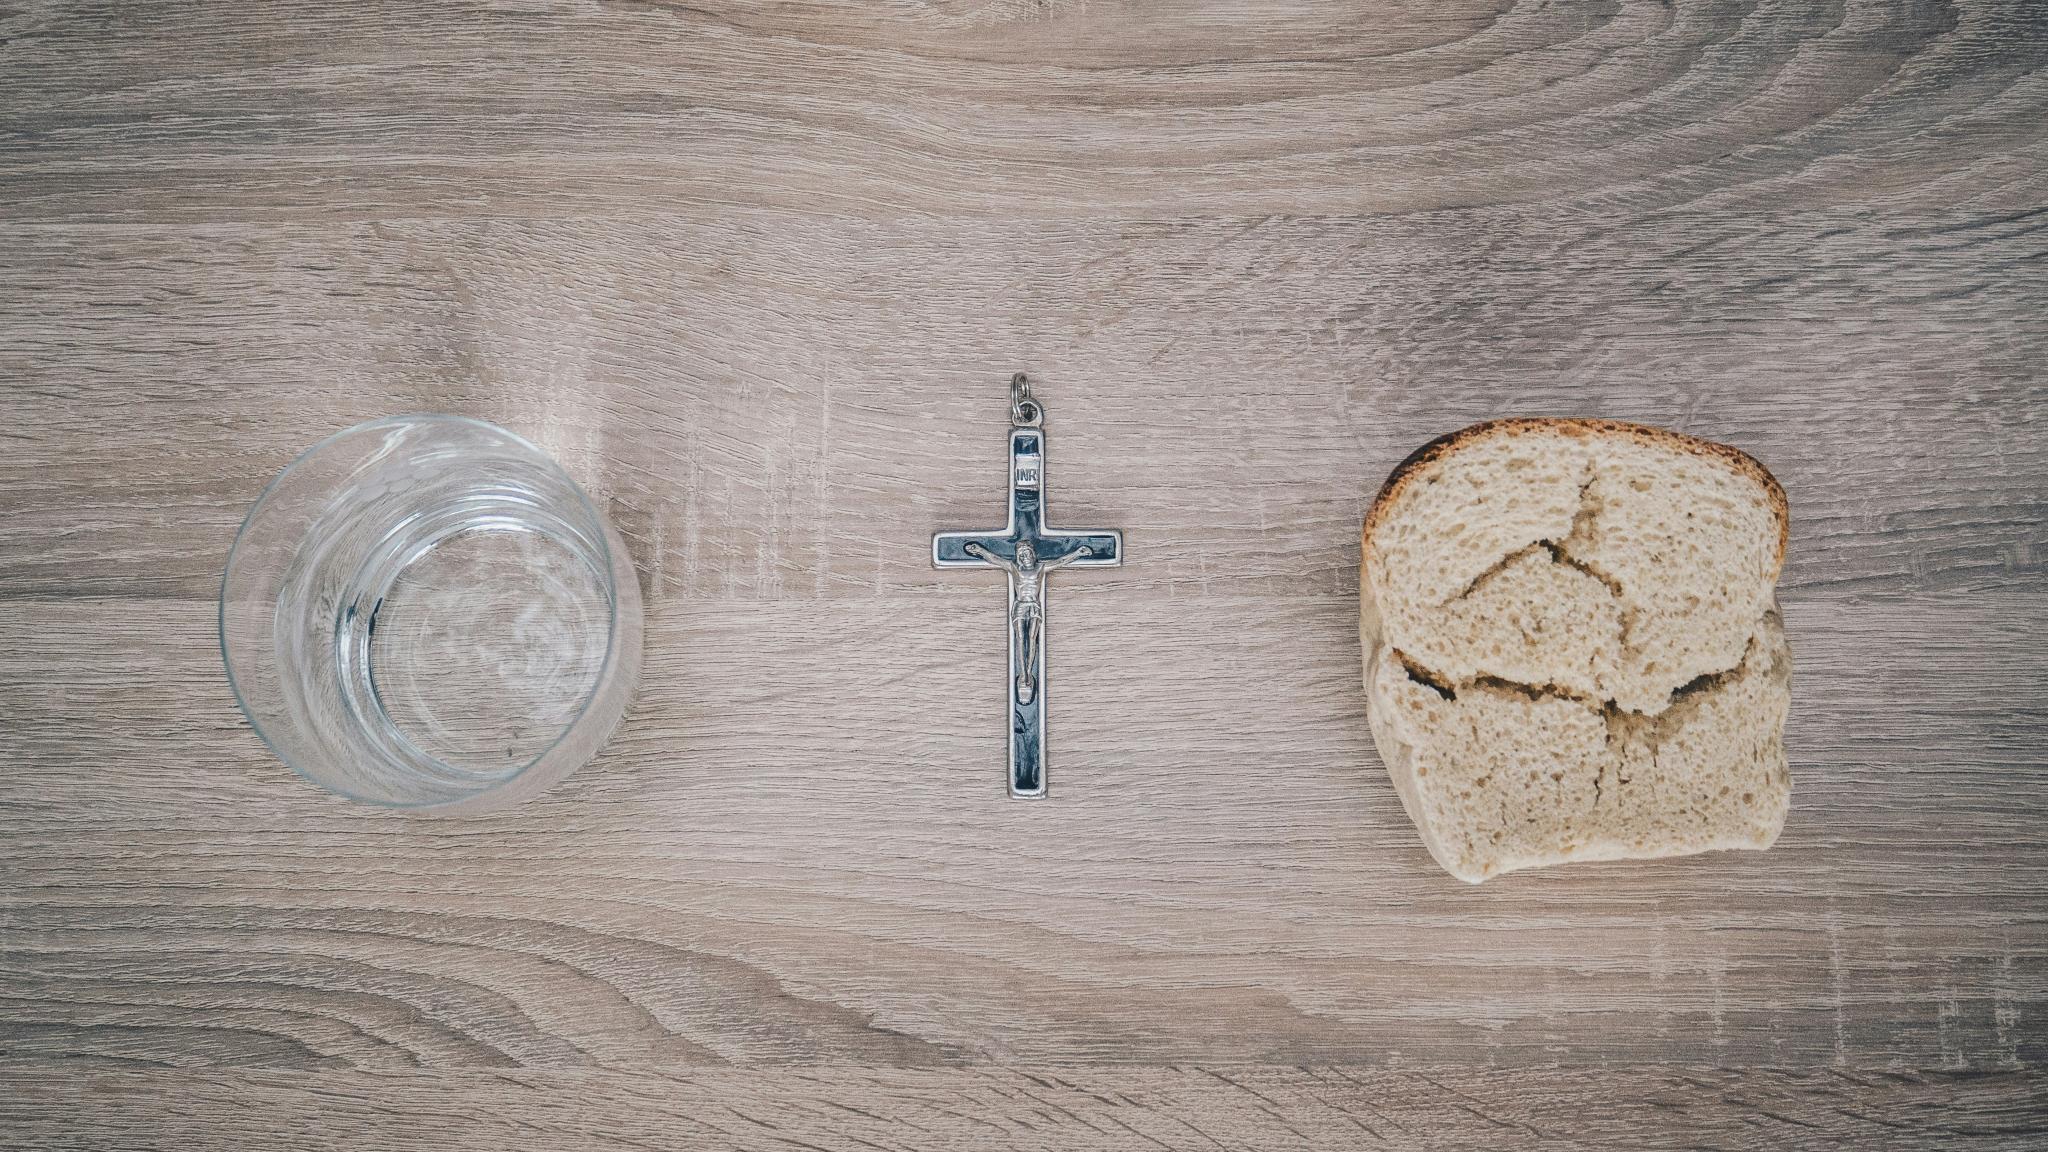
{"x": 426, "y": 612}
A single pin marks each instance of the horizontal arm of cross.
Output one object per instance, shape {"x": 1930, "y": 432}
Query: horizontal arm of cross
{"x": 1096, "y": 549}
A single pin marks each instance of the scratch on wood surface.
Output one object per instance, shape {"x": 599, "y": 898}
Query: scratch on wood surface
{"x": 1837, "y": 986}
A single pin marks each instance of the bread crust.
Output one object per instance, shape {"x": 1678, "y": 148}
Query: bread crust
{"x": 1399, "y": 758}
{"x": 1419, "y": 461}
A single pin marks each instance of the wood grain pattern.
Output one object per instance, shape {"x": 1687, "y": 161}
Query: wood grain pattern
{"x": 756, "y": 274}
{"x": 1005, "y": 1108}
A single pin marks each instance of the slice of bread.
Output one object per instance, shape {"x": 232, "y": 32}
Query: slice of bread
{"x": 1572, "y": 645}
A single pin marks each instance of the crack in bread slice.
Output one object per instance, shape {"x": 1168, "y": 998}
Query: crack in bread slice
{"x": 1572, "y": 644}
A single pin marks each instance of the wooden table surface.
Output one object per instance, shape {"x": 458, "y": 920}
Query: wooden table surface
{"x": 757, "y": 276}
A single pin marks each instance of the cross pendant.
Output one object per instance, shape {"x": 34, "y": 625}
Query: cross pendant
{"x": 1027, "y": 549}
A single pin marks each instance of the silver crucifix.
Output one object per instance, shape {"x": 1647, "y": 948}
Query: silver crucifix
{"x": 1027, "y": 549}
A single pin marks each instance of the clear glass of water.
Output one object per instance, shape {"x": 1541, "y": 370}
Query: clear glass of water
{"x": 426, "y": 612}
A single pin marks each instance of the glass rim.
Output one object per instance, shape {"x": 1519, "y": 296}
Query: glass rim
{"x": 611, "y": 639}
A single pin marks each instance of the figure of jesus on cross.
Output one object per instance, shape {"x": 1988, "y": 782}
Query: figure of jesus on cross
{"x": 1027, "y": 550}
{"x": 1027, "y": 612}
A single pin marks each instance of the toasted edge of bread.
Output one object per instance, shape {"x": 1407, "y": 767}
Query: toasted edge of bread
{"x": 1418, "y": 461}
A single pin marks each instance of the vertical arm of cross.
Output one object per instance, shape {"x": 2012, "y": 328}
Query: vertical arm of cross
{"x": 1027, "y": 551}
